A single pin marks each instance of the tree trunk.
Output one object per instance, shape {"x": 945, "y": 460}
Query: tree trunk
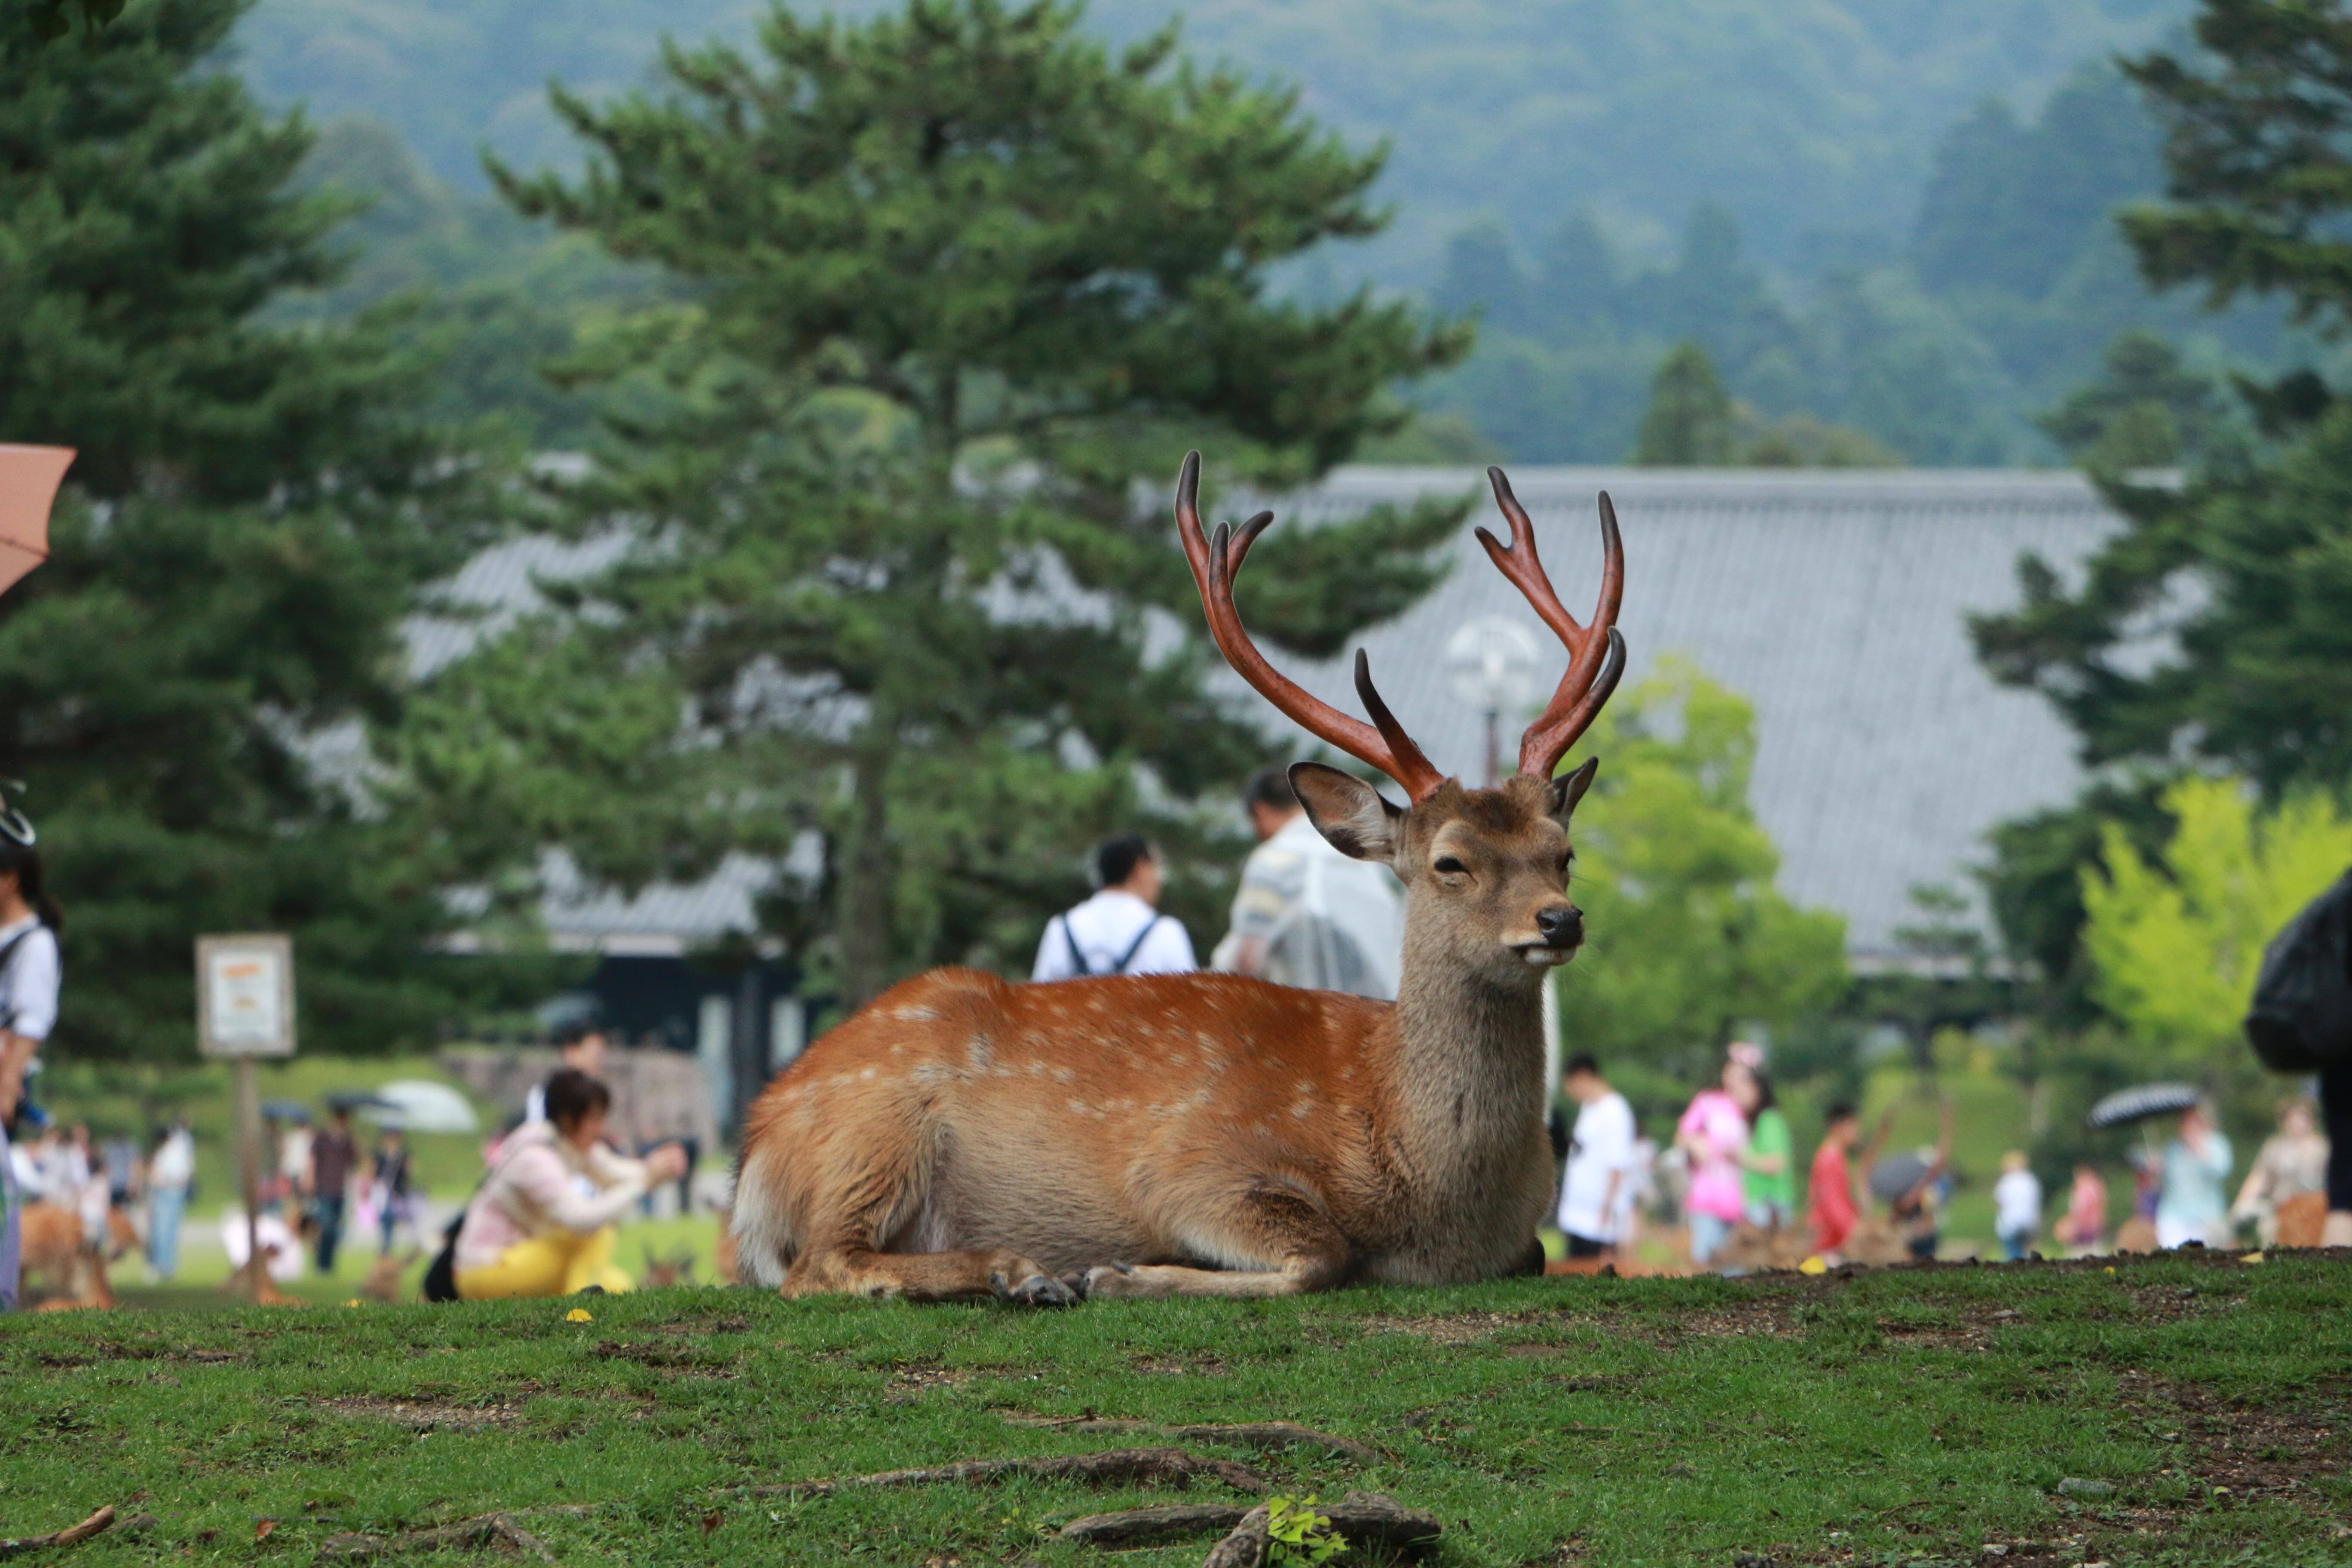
{"x": 866, "y": 876}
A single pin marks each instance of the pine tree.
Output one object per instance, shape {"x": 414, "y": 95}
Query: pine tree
{"x": 1689, "y": 420}
{"x": 2258, "y": 675}
{"x": 244, "y": 528}
{"x": 962, "y": 279}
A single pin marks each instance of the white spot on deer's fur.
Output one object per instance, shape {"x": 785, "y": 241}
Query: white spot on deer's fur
{"x": 1303, "y": 1110}
{"x": 1036, "y": 1067}
{"x": 914, "y": 1013}
{"x": 1064, "y": 1074}
{"x": 1208, "y": 1041}
{"x": 1078, "y": 1107}
{"x": 976, "y": 1054}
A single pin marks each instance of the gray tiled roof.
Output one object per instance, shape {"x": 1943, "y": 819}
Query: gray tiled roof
{"x": 1834, "y": 601}
{"x": 1831, "y": 600}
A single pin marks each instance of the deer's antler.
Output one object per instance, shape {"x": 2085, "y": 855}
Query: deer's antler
{"x": 1596, "y": 652}
{"x": 1216, "y": 560}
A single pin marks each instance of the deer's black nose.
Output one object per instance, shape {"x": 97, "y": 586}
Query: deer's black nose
{"x": 1561, "y": 927}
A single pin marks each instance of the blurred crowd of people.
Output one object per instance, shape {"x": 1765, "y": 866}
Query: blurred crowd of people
{"x": 1725, "y": 1190}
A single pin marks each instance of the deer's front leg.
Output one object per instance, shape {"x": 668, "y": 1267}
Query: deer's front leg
{"x": 1271, "y": 1240}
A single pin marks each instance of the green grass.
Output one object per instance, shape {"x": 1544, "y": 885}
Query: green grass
{"x": 1898, "y": 1416}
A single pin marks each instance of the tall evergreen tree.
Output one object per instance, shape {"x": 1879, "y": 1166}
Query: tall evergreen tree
{"x": 1688, "y": 423}
{"x": 246, "y": 523}
{"x": 2249, "y": 564}
{"x": 963, "y": 280}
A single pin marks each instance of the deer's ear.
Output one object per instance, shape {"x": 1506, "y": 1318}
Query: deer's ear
{"x": 1349, "y": 813}
{"x": 1568, "y": 790}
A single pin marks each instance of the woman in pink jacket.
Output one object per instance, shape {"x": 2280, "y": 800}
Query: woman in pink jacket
{"x": 1711, "y": 1133}
{"x": 546, "y": 1222}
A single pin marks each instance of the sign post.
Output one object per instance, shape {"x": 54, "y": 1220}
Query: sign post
{"x": 245, "y": 1010}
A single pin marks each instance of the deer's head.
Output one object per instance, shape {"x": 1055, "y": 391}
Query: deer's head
{"x": 1485, "y": 870}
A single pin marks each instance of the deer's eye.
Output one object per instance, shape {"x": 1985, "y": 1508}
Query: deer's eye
{"x": 1448, "y": 866}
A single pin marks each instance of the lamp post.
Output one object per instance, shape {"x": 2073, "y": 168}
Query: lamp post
{"x": 1490, "y": 661}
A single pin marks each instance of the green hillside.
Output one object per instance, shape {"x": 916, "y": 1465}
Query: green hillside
{"x": 1887, "y": 224}
{"x": 1813, "y": 121}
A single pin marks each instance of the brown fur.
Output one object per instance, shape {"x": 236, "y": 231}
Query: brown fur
{"x": 51, "y": 1246}
{"x": 1194, "y": 1133}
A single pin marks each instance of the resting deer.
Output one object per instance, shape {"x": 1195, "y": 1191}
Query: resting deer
{"x": 1210, "y": 1135}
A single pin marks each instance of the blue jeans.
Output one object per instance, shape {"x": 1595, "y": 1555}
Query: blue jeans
{"x": 165, "y": 1207}
{"x": 329, "y": 1213}
{"x": 1707, "y": 1233}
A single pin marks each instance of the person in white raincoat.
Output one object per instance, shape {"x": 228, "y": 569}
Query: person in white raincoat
{"x": 1306, "y": 914}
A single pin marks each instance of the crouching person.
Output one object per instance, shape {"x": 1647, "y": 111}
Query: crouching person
{"x": 546, "y": 1221}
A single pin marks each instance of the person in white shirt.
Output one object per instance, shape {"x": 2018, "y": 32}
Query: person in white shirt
{"x": 2016, "y": 1206}
{"x": 1120, "y": 929}
{"x": 1306, "y": 914}
{"x": 171, "y": 1171}
{"x": 1595, "y": 1194}
{"x": 29, "y": 975}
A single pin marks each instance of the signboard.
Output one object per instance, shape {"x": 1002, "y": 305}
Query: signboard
{"x": 244, "y": 995}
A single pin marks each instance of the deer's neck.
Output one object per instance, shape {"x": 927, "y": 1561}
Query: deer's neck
{"x": 1470, "y": 1068}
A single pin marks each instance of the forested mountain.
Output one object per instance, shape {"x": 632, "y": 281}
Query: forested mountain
{"x": 2008, "y": 289}
{"x": 1872, "y": 213}
{"x": 1811, "y": 122}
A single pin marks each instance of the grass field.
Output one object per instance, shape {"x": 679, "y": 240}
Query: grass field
{"x": 1898, "y": 1416}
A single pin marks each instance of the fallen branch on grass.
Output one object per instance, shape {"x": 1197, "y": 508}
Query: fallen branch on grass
{"x": 1154, "y": 1526}
{"x": 1242, "y": 1434}
{"x": 71, "y": 1535}
{"x": 1364, "y": 1517}
{"x": 501, "y": 1528}
{"x": 1116, "y": 1466}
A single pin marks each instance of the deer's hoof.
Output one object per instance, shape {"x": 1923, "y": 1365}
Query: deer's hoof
{"x": 1042, "y": 1291}
{"x": 1116, "y": 1280}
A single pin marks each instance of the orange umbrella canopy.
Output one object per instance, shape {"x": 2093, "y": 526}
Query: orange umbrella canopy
{"x": 28, "y": 484}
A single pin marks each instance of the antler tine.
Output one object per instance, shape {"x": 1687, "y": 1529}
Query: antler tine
{"x": 1596, "y": 651}
{"x": 1543, "y": 746}
{"x": 1215, "y": 562}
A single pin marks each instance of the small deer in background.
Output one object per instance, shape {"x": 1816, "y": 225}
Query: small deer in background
{"x": 1213, "y": 1134}
{"x": 662, "y": 1273}
{"x": 382, "y": 1281}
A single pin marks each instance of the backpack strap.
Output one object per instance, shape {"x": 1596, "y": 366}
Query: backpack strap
{"x": 7, "y": 964}
{"x": 1133, "y": 947}
{"x": 1070, "y": 940}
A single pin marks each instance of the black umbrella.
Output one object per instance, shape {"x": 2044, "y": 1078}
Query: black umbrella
{"x": 357, "y": 1099}
{"x": 2126, "y": 1106}
{"x": 285, "y": 1110}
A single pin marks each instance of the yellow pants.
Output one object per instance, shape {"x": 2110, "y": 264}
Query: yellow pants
{"x": 563, "y": 1264}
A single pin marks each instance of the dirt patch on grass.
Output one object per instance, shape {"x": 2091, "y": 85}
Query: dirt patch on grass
{"x": 423, "y": 1415}
{"x": 1762, "y": 1317}
{"x": 2252, "y": 1446}
{"x": 729, "y": 1324}
{"x": 1447, "y": 1328}
{"x": 1180, "y": 1366}
{"x": 667, "y": 1358}
{"x": 914, "y": 1382}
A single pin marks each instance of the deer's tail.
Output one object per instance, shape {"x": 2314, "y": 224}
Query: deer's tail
{"x": 761, "y": 1222}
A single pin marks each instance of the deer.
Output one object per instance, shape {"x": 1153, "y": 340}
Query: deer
{"x": 1211, "y": 1134}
